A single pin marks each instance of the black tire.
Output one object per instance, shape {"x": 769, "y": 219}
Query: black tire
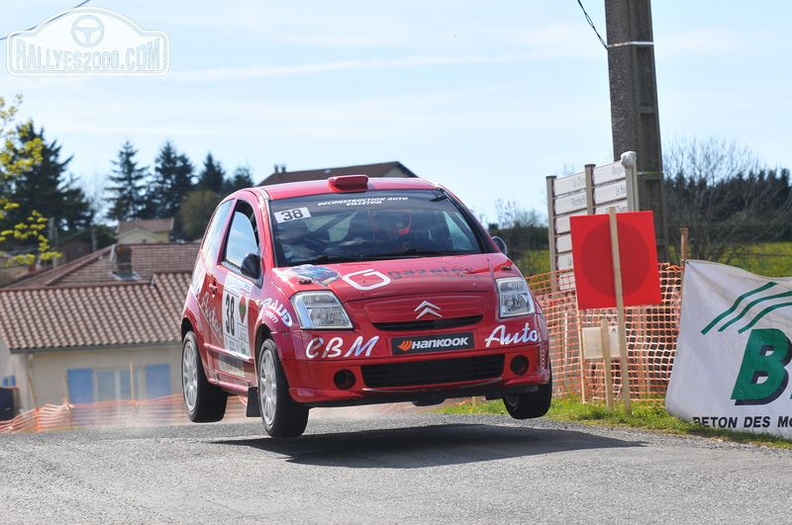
{"x": 282, "y": 417}
{"x": 530, "y": 405}
{"x": 205, "y": 402}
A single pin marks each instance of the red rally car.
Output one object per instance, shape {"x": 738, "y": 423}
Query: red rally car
{"x": 350, "y": 291}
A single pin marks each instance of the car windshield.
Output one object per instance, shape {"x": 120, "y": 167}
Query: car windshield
{"x": 375, "y": 225}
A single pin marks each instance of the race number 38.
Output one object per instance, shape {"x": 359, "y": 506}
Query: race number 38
{"x": 235, "y": 323}
{"x": 292, "y": 215}
{"x": 228, "y": 314}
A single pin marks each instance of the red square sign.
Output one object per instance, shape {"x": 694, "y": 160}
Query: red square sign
{"x": 593, "y": 263}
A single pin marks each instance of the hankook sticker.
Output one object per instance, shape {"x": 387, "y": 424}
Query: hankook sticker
{"x": 432, "y": 343}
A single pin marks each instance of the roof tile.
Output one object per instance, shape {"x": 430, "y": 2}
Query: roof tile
{"x": 106, "y": 314}
{"x": 98, "y": 267}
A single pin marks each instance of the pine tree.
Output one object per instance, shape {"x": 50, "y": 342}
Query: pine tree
{"x": 172, "y": 180}
{"x": 12, "y": 166}
{"x": 211, "y": 176}
{"x": 128, "y": 191}
{"x": 44, "y": 188}
{"x": 243, "y": 178}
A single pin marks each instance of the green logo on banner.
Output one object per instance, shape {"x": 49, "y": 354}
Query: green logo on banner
{"x": 762, "y": 378}
{"x": 740, "y": 309}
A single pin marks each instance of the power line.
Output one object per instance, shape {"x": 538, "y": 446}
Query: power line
{"x": 591, "y": 23}
{"x": 52, "y": 19}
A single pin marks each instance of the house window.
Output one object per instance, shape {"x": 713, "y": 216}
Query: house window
{"x": 113, "y": 384}
{"x": 81, "y": 385}
{"x": 152, "y": 381}
{"x": 88, "y": 385}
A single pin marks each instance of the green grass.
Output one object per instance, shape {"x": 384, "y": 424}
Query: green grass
{"x": 644, "y": 416}
{"x": 768, "y": 259}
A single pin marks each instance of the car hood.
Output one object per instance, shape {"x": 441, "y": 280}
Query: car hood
{"x": 425, "y": 275}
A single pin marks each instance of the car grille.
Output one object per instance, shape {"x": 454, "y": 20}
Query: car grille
{"x": 432, "y": 324}
{"x": 433, "y": 372}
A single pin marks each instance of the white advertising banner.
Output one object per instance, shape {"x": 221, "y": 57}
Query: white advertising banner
{"x": 733, "y": 355}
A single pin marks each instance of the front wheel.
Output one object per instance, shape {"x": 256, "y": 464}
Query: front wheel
{"x": 205, "y": 402}
{"x": 281, "y": 415}
{"x": 532, "y": 404}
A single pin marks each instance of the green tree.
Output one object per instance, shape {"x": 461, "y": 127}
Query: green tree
{"x": 26, "y": 239}
{"x": 242, "y": 178}
{"x": 196, "y": 210}
{"x": 525, "y": 234}
{"x": 211, "y": 176}
{"x": 44, "y": 187}
{"x": 171, "y": 182}
{"x": 128, "y": 192}
{"x": 725, "y": 197}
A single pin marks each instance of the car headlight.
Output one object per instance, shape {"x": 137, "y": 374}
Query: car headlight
{"x": 514, "y": 297}
{"x": 320, "y": 310}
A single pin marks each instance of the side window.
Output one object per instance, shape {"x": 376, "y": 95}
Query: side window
{"x": 463, "y": 239}
{"x": 211, "y": 242}
{"x": 242, "y": 236}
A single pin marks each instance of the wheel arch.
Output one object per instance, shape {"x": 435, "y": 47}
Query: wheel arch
{"x": 186, "y": 326}
{"x": 262, "y": 332}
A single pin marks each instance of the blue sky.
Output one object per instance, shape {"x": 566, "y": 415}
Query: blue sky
{"x": 485, "y": 97}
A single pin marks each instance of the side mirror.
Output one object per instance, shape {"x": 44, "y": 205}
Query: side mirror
{"x": 501, "y": 244}
{"x": 251, "y": 266}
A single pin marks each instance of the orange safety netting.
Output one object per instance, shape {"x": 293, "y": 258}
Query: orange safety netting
{"x": 651, "y": 338}
{"x": 120, "y": 412}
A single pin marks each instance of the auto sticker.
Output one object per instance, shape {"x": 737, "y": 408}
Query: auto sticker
{"x": 275, "y": 311}
{"x": 230, "y": 365}
{"x": 499, "y": 336}
{"x": 364, "y": 201}
{"x": 235, "y": 315}
{"x": 205, "y": 305}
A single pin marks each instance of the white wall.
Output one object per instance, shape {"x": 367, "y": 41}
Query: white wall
{"x": 48, "y": 371}
{"x": 138, "y": 236}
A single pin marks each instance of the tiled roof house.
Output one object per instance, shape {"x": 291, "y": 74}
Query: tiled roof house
{"x": 145, "y": 231}
{"x": 105, "y": 266}
{"x": 91, "y": 331}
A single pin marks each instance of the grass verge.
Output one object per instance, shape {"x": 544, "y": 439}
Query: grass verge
{"x": 645, "y": 416}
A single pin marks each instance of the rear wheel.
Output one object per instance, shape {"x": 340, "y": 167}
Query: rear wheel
{"x": 205, "y": 402}
{"x": 531, "y": 404}
{"x": 281, "y": 415}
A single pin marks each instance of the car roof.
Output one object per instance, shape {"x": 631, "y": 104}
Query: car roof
{"x": 319, "y": 187}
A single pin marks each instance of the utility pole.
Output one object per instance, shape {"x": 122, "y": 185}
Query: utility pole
{"x": 634, "y": 113}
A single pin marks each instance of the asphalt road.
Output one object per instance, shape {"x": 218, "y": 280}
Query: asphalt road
{"x": 402, "y": 468}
